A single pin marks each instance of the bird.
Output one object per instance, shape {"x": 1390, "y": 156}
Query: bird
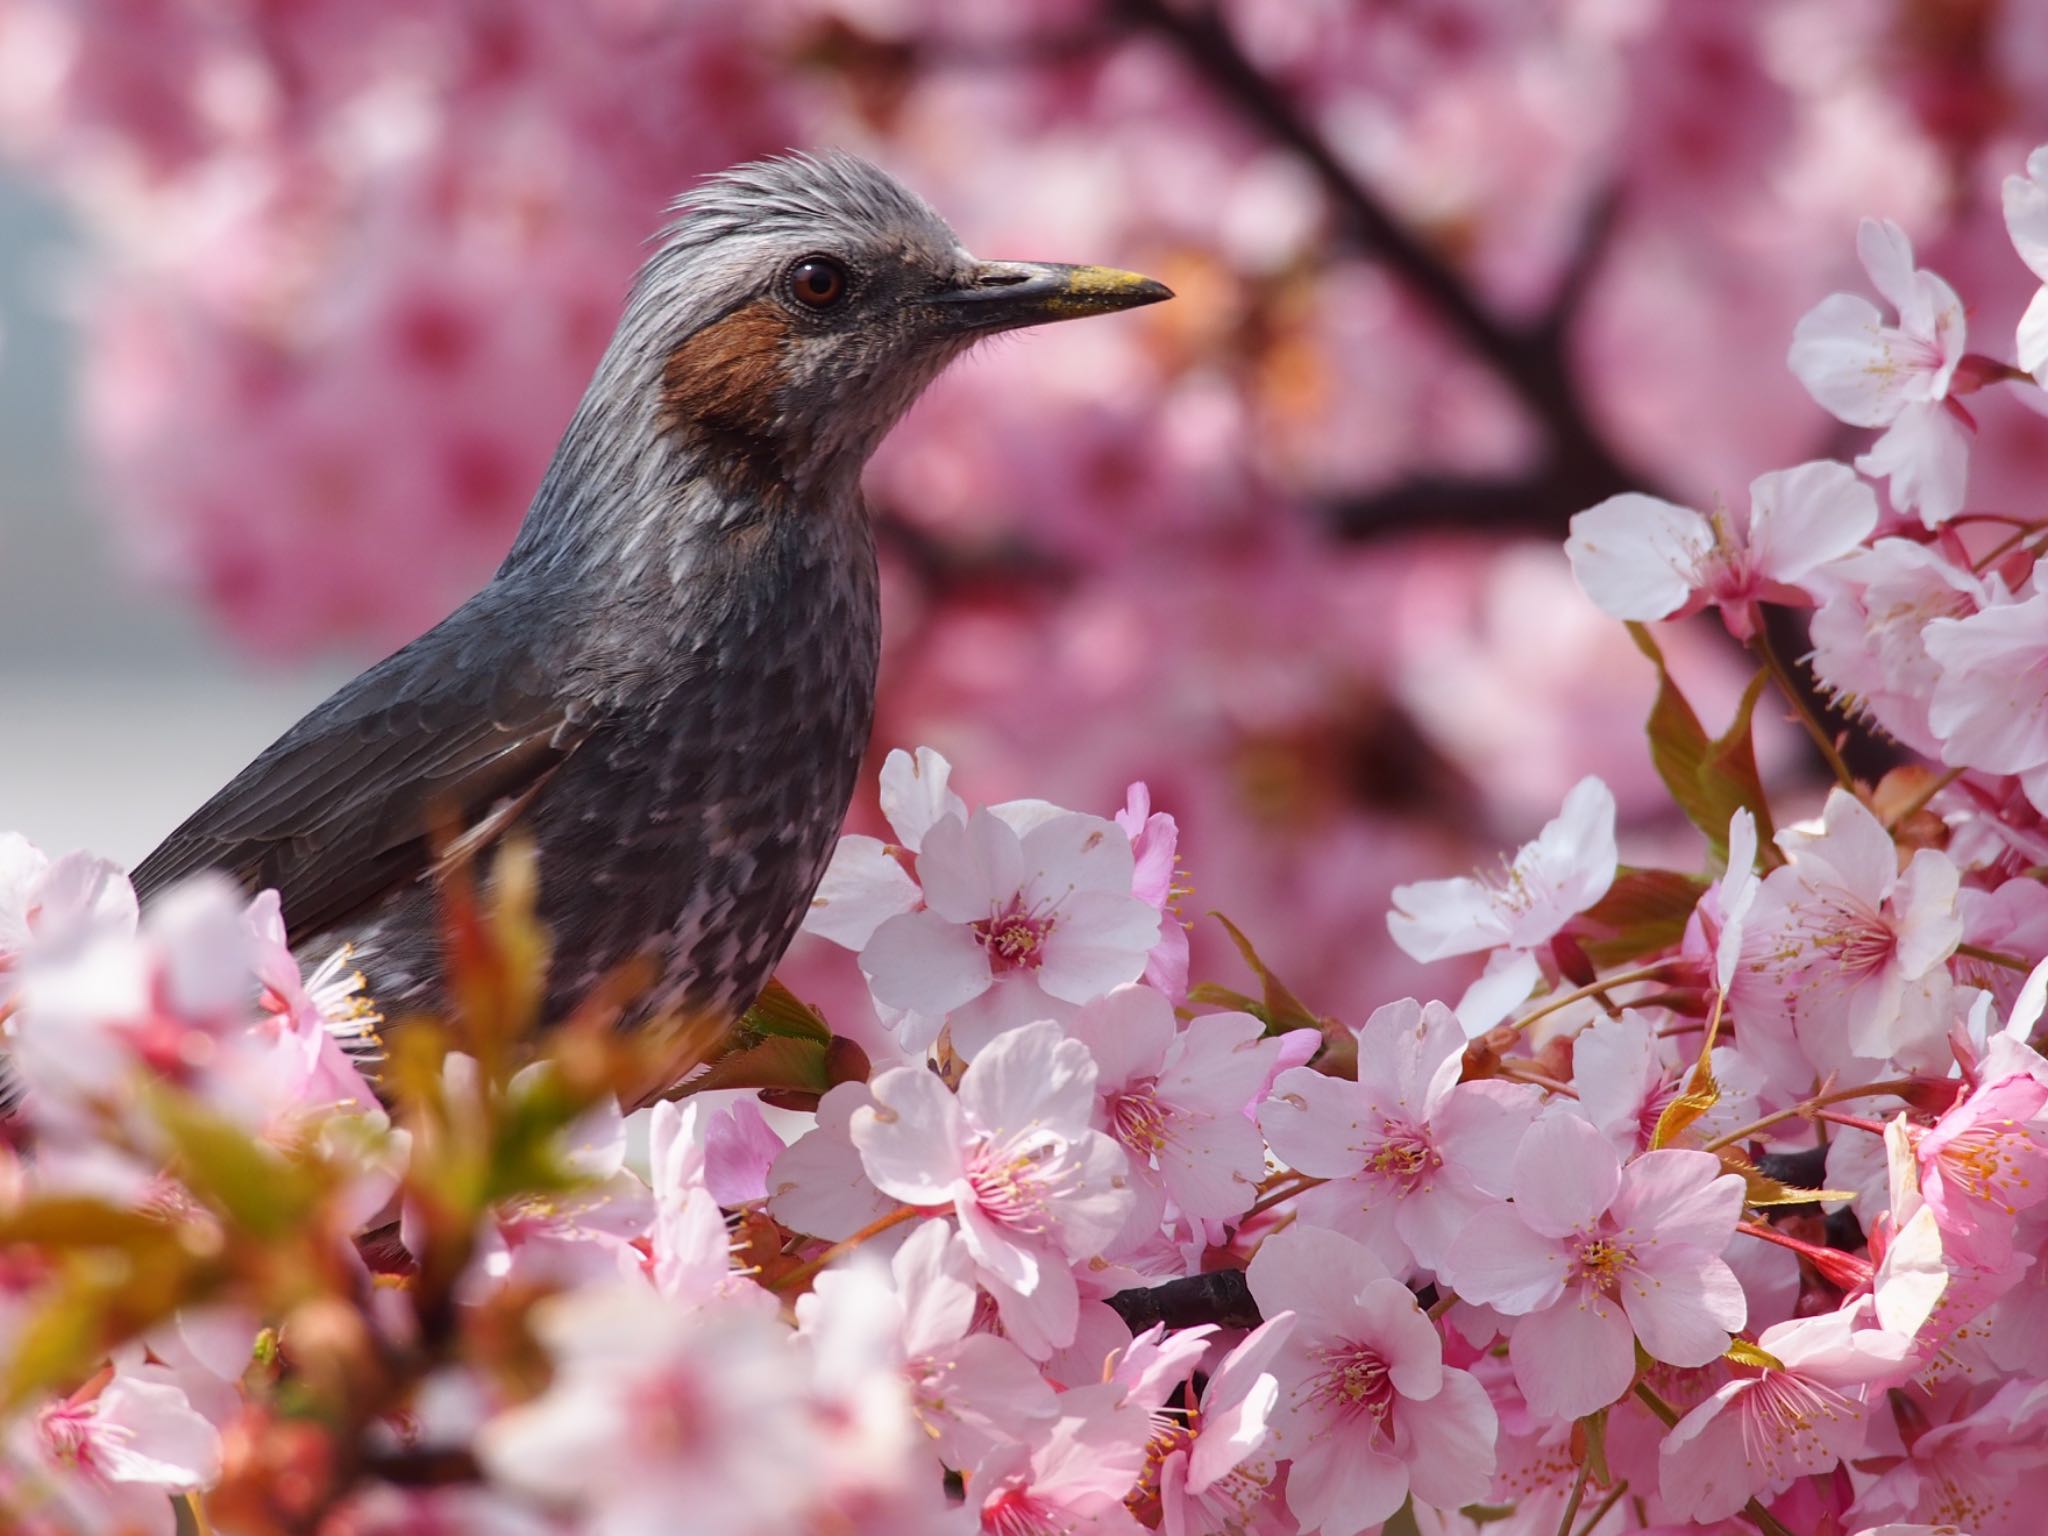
{"x": 667, "y": 687}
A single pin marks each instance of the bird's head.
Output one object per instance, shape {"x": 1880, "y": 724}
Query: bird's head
{"x": 799, "y": 305}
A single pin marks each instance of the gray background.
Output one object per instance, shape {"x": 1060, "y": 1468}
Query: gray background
{"x": 120, "y": 710}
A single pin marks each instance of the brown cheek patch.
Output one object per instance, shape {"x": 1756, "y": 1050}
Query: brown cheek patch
{"x": 722, "y": 385}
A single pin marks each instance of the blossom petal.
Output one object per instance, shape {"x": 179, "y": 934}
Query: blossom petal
{"x": 863, "y": 887}
{"x": 1683, "y": 1304}
{"x": 1637, "y": 556}
{"x": 1803, "y": 517}
{"x": 923, "y": 964}
{"x": 910, "y": 1138}
{"x": 916, "y": 794}
{"x": 1840, "y": 351}
{"x": 1566, "y": 1174}
{"x": 1574, "y": 1357}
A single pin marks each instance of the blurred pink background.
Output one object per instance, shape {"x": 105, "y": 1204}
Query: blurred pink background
{"x": 297, "y": 295}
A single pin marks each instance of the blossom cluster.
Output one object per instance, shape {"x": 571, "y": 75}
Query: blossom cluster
{"x": 1716, "y": 1200}
{"x": 341, "y": 268}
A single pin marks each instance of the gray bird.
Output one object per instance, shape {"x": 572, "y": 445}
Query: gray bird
{"x": 668, "y": 684}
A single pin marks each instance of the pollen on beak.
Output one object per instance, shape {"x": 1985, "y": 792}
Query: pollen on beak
{"x": 1005, "y": 295}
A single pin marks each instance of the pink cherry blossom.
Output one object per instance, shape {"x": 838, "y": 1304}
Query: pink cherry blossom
{"x": 1976, "y": 1467}
{"x": 1217, "y": 1474}
{"x": 867, "y": 882}
{"x": 969, "y": 1391}
{"x": 1990, "y": 706}
{"x": 1367, "y": 1413}
{"x": 1176, "y": 1099}
{"x": 1775, "y": 1423}
{"x": 655, "y": 1408}
{"x": 1844, "y": 946}
{"x": 2026, "y": 220}
{"x": 1594, "y": 1257}
{"x": 1155, "y": 851}
{"x": 1985, "y": 1162}
{"x": 1869, "y": 633}
{"x": 1014, "y": 1155}
{"x": 1073, "y": 1476}
{"x": 1411, "y": 1153}
{"x": 1640, "y": 557}
{"x": 53, "y": 907}
{"x": 110, "y": 1459}
{"x": 1870, "y": 374}
{"x": 1019, "y": 923}
{"x": 1566, "y": 869}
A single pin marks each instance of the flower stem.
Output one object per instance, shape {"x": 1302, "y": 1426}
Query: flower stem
{"x": 1571, "y": 1505}
{"x": 805, "y": 1271}
{"x": 1441, "y": 1305}
{"x": 1782, "y": 676}
{"x": 1900, "y": 1086}
{"x": 1300, "y": 1184}
{"x": 1595, "y": 989}
{"x": 1600, "y": 1510}
{"x": 1994, "y": 957}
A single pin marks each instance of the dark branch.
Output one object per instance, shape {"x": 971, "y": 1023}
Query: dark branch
{"x": 1221, "y": 1296}
{"x": 1532, "y": 362}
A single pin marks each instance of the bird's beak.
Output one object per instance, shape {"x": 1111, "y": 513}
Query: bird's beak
{"x": 1004, "y": 295}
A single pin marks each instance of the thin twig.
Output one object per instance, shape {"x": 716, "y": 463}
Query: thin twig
{"x": 875, "y": 1228}
{"x": 1594, "y": 989}
{"x": 1796, "y": 697}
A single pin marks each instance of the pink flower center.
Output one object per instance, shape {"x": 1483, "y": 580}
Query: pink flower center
{"x": 1014, "y": 938}
{"x": 1600, "y": 1262}
{"x": 1778, "y": 1413}
{"x": 1404, "y": 1153}
{"x": 1985, "y": 1163}
{"x": 1138, "y": 1119}
{"x": 1013, "y": 1187}
{"x": 1860, "y": 939}
{"x": 1355, "y": 1383}
{"x": 68, "y": 1431}
{"x": 1015, "y": 1512}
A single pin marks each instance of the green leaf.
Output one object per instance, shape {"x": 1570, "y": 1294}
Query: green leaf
{"x": 779, "y": 1063}
{"x": 779, "y": 1011}
{"x": 1644, "y": 913}
{"x": 1278, "y": 1008}
{"x": 1710, "y": 778}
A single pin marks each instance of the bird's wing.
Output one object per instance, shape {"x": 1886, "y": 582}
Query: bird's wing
{"x": 344, "y": 808}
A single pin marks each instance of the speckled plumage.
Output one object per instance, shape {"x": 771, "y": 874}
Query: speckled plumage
{"x": 668, "y": 685}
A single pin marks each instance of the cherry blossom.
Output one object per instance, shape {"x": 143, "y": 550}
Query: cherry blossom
{"x": 1566, "y": 869}
{"x": 1845, "y": 946}
{"x": 655, "y": 1408}
{"x": 1367, "y": 1413}
{"x": 1986, "y": 1161}
{"x": 2026, "y": 220}
{"x": 1900, "y": 377}
{"x": 1070, "y": 1477}
{"x": 1410, "y": 1152}
{"x": 1594, "y": 1257}
{"x": 1216, "y": 1474}
{"x": 1177, "y": 1099}
{"x": 1779, "y": 1421}
{"x": 1989, "y": 707}
{"x": 1015, "y": 1157}
{"x": 113, "y": 1456}
{"x": 1640, "y": 557}
{"x": 1019, "y": 923}
{"x": 1869, "y": 633}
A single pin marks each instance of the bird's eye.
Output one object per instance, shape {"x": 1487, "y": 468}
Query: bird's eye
{"x": 818, "y": 282}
